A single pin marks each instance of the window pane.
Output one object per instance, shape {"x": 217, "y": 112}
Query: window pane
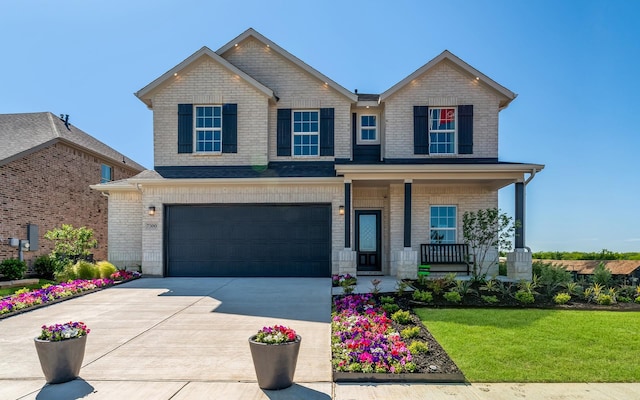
{"x": 367, "y": 233}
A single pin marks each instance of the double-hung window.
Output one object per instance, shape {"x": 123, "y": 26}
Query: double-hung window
{"x": 306, "y": 133}
{"x": 442, "y": 130}
{"x": 443, "y": 224}
{"x": 208, "y": 132}
{"x": 106, "y": 174}
{"x": 368, "y": 129}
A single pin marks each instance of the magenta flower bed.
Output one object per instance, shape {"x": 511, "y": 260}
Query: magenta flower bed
{"x": 363, "y": 339}
{"x": 49, "y": 294}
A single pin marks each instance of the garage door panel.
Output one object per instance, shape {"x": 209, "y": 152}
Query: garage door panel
{"x": 248, "y": 240}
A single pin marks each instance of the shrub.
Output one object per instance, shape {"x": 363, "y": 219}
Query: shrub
{"x": 490, "y": 299}
{"x": 410, "y": 332}
{"x": 624, "y": 299}
{"x": 390, "y": 308}
{"x": 453, "y": 297}
{"x": 562, "y": 298}
{"x": 605, "y": 299}
{"x": 424, "y": 296}
{"x": 44, "y": 266}
{"x": 70, "y": 244}
{"x": 437, "y": 286}
{"x": 86, "y": 270}
{"x": 105, "y": 269}
{"x": 387, "y": 300}
{"x": 525, "y": 297}
{"x": 602, "y": 275}
{"x": 12, "y": 268}
{"x": 637, "y": 300}
{"x": 402, "y": 317}
{"x": 418, "y": 347}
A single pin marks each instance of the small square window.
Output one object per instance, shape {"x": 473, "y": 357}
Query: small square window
{"x": 368, "y": 130}
{"x": 106, "y": 174}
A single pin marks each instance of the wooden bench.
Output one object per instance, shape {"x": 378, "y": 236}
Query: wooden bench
{"x": 446, "y": 254}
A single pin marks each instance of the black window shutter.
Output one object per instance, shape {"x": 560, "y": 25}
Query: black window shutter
{"x": 465, "y": 129}
{"x": 326, "y": 132}
{"x": 420, "y": 130}
{"x": 229, "y": 128}
{"x": 283, "y": 132}
{"x": 185, "y": 128}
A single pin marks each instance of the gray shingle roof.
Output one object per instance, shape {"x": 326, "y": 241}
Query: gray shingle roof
{"x": 21, "y": 134}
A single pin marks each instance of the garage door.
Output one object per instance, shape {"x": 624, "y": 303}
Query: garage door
{"x": 248, "y": 240}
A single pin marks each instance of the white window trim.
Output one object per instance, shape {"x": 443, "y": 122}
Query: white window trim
{"x": 359, "y": 139}
{"x": 195, "y": 130}
{"x": 455, "y": 131}
{"x": 294, "y": 134}
{"x": 455, "y": 229}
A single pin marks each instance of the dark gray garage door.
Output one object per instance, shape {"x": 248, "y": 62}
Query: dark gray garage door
{"x": 248, "y": 240}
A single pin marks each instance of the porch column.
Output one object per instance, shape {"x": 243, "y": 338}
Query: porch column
{"x": 407, "y": 213}
{"x": 519, "y": 214}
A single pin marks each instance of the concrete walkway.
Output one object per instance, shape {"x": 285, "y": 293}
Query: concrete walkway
{"x": 183, "y": 338}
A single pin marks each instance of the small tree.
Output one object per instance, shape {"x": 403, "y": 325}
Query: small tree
{"x": 486, "y": 230}
{"x": 70, "y": 245}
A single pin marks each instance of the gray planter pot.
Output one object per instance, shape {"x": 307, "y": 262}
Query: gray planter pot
{"x": 61, "y": 361}
{"x": 275, "y": 364}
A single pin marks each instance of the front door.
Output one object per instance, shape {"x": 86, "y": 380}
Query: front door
{"x": 368, "y": 240}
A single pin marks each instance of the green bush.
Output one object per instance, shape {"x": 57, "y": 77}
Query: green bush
{"x": 624, "y": 299}
{"x": 605, "y": 299}
{"x": 387, "y": 300}
{"x": 562, "y": 298}
{"x": 602, "y": 275}
{"x": 86, "y": 270}
{"x": 418, "y": 347}
{"x": 453, "y": 297}
{"x": 390, "y": 308}
{"x": 410, "y": 332}
{"x": 402, "y": 317}
{"x": 490, "y": 299}
{"x": 44, "y": 267}
{"x": 12, "y": 268}
{"x": 423, "y": 296}
{"x": 525, "y": 297}
{"x": 105, "y": 269}
{"x": 637, "y": 300}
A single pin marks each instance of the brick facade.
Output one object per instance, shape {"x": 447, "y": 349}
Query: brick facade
{"x": 50, "y": 187}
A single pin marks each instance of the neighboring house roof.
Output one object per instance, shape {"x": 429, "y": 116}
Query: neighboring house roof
{"x": 23, "y": 134}
{"x": 586, "y": 267}
{"x": 145, "y": 93}
{"x": 293, "y": 59}
{"x": 447, "y": 55}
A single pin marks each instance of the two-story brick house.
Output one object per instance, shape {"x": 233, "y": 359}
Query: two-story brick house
{"x": 266, "y": 167}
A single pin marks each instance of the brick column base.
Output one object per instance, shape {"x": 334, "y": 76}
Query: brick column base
{"x": 347, "y": 262}
{"x": 519, "y": 265}
{"x": 404, "y": 263}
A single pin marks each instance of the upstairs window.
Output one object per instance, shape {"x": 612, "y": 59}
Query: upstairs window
{"x": 306, "y": 133}
{"x": 106, "y": 174}
{"x": 368, "y": 130}
{"x": 442, "y": 130}
{"x": 442, "y": 224}
{"x": 208, "y": 132}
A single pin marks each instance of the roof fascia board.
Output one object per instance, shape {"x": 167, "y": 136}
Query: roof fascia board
{"x": 293, "y": 59}
{"x": 235, "y": 181}
{"x": 99, "y": 156}
{"x": 436, "y": 168}
{"x": 508, "y": 94}
{"x": 204, "y": 51}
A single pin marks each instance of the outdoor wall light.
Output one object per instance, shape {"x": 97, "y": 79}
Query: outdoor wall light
{"x": 152, "y": 210}
{"x": 341, "y": 210}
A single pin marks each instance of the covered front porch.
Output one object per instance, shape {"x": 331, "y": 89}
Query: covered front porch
{"x": 391, "y": 210}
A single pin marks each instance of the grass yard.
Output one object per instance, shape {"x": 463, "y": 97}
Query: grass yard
{"x": 533, "y": 345}
{"x": 10, "y": 291}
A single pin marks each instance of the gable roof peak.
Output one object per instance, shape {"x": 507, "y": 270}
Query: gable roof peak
{"x": 460, "y": 64}
{"x": 250, "y": 32}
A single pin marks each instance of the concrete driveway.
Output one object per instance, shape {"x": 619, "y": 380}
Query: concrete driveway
{"x": 178, "y": 338}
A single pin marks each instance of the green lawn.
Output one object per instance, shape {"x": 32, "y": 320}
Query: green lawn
{"x": 491, "y": 345}
{"x": 10, "y": 291}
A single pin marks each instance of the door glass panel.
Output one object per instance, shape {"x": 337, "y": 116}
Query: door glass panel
{"x": 367, "y": 239}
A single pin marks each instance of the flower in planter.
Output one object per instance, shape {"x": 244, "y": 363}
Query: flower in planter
{"x": 68, "y": 330}
{"x": 124, "y": 275}
{"x": 275, "y": 335}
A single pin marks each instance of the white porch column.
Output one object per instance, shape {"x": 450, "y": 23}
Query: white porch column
{"x": 519, "y": 265}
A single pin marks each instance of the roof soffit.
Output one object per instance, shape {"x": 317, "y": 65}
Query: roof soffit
{"x": 252, "y": 33}
{"x": 145, "y": 94}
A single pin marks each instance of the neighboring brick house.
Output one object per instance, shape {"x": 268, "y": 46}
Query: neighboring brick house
{"x": 266, "y": 167}
{"x": 46, "y": 168}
